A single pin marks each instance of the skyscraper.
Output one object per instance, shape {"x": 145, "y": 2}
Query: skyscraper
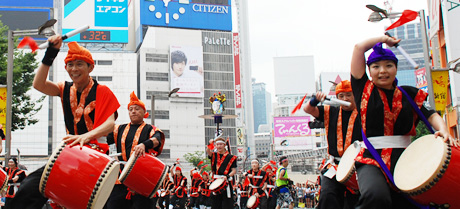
{"x": 411, "y": 41}
{"x": 262, "y": 105}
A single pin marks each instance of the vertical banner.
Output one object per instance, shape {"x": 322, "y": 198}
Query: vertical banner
{"x": 240, "y": 142}
{"x": 236, "y": 63}
{"x": 440, "y": 81}
{"x": 3, "y": 106}
{"x": 420, "y": 79}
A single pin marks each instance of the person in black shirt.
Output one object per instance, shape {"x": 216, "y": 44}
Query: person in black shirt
{"x": 135, "y": 137}
{"x": 223, "y": 165}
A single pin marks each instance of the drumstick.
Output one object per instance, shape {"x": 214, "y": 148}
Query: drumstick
{"x": 335, "y": 101}
{"x": 404, "y": 53}
{"x": 66, "y": 36}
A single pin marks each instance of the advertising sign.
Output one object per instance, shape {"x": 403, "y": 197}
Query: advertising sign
{"x": 292, "y": 133}
{"x": 197, "y": 14}
{"x": 420, "y": 79}
{"x": 108, "y": 20}
{"x": 440, "y": 82}
{"x": 236, "y": 63}
{"x": 186, "y": 70}
{"x": 3, "y": 106}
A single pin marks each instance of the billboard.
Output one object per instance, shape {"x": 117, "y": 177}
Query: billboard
{"x": 196, "y": 14}
{"x": 26, "y": 3}
{"x": 186, "y": 70}
{"x": 108, "y": 20}
{"x": 25, "y": 14}
{"x": 292, "y": 133}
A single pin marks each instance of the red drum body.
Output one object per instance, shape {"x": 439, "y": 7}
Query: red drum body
{"x": 78, "y": 177}
{"x": 218, "y": 185}
{"x": 3, "y": 179}
{"x": 346, "y": 172}
{"x": 428, "y": 172}
{"x": 143, "y": 174}
{"x": 253, "y": 202}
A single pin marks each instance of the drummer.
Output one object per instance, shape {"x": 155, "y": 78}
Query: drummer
{"x": 15, "y": 177}
{"x": 89, "y": 110}
{"x": 258, "y": 183}
{"x": 166, "y": 186}
{"x": 138, "y": 138}
{"x": 385, "y": 111}
{"x": 271, "y": 178}
{"x": 244, "y": 188}
{"x": 342, "y": 129}
{"x": 205, "y": 201}
{"x": 179, "y": 195}
{"x": 223, "y": 165}
{"x": 195, "y": 189}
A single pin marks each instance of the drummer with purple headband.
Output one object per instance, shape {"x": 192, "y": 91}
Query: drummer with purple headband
{"x": 384, "y": 110}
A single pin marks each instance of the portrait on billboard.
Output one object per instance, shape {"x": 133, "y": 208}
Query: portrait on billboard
{"x": 186, "y": 70}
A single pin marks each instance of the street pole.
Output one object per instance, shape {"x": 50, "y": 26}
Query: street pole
{"x": 9, "y": 90}
{"x": 152, "y": 110}
{"x": 426, "y": 56}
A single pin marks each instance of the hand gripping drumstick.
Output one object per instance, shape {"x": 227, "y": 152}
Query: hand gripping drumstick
{"x": 67, "y": 35}
{"x": 404, "y": 53}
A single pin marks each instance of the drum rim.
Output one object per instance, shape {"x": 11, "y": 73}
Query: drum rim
{"x": 436, "y": 176}
{"x": 111, "y": 167}
{"x": 49, "y": 167}
{"x": 129, "y": 165}
{"x": 350, "y": 170}
{"x": 162, "y": 178}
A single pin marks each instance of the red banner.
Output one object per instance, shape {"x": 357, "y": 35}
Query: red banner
{"x": 236, "y": 63}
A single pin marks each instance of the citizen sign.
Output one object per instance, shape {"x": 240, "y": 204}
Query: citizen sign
{"x": 217, "y": 41}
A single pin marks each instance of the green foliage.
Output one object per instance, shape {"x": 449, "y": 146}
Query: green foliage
{"x": 421, "y": 131}
{"x": 24, "y": 108}
{"x": 195, "y": 157}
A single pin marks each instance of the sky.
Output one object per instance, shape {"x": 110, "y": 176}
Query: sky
{"x": 326, "y": 29}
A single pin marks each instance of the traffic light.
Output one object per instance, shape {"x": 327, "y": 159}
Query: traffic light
{"x": 316, "y": 124}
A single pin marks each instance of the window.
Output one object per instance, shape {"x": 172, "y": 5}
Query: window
{"x": 153, "y": 76}
{"x": 149, "y": 57}
{"x": 159, "y": 114}
{"x": 104, "y": 62}
{"x": 159, "y": 95}
{"x": 102, "y": 78}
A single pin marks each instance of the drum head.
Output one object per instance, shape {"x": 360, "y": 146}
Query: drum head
{"x": 128, "y": 166}
{"x": 107, "y": 184}
{"x": 216, "y": 183}
{"x": 347, "y": 163}
{"x": 251, "y": 201}
{"x": 420, "y": 163}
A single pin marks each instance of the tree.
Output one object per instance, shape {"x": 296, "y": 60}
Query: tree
{"x": 195, "y": 157}
{"x": 421, "y": 131}
{"x": 23, "y": 107}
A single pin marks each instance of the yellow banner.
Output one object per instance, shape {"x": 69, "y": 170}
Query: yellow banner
{"x": 440, "y": 82}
